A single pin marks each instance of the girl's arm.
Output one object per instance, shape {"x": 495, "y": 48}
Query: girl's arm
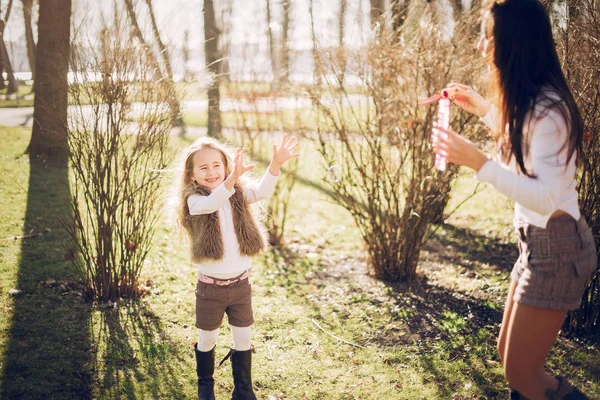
{"x": 199, "y": 204}
{"x": 264, "y": 189}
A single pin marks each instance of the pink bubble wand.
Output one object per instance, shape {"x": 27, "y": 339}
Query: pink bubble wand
{"x": 443, "y": 122}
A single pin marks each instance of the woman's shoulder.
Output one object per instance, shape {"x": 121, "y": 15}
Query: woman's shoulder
{"x": 550, "y": 111}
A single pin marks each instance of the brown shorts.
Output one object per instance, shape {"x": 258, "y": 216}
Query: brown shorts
{"x": 212, "y": 301}
{"x": 555, "y": 264}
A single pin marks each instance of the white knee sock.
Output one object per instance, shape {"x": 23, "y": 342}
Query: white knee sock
{"x": 207, "y": 340}
{"x": 241, "y": 338}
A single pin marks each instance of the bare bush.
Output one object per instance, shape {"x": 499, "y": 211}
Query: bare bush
{"x": 114, "y": 161}
{"x": 380, "y": 142}
{"x": 577, "y": 39}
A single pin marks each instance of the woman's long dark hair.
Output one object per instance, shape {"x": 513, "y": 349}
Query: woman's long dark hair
{"x": 528, "y": 73}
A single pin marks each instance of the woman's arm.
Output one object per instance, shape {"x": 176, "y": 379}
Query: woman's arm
{"x": 492, "y": 119}
{"x": 548, "y": 159}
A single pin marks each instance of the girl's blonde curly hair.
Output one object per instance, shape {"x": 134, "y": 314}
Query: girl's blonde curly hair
{"x": 186, "y": 186}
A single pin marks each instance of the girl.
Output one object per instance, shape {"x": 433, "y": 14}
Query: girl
{"x": 539, "y": 132}
{"x": 215, "y": 212}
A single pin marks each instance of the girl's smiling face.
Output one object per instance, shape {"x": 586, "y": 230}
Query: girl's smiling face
{"x": 209, "y": 168}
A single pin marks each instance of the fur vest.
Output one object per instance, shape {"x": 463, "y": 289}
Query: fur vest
{"x": 205, "y": 229}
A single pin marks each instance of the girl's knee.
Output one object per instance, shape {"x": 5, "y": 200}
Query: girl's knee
{"x": 207, "y": 340}
{"x": 241, "y": 338}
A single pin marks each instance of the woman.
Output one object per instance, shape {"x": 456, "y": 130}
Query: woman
{"x": 539, "y": 133}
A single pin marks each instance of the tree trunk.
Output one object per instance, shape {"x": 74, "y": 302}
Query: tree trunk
{"x": 4, "y": 58}
{"x": 285, "y": 47}
{"x": 6, "y": 66}
{"x": 213, "y": 61}
{"x": 399, "y": 13}
{"x": 187, "y": 75}
{"x": 137, "y": 32}
{"x": 377, "y": 10}
{"x": 341, "y": 52}
{"x": 341, "y": 19}
{"x": 175, "y": 107}
{"x": 226, "y": 39}
{"x": 27, "y": 16}
{"x": 272, "y": 49}
{"x": 457, "y": 8}
{"x": 318, "y": 73}
{"x": 49, "y": 134}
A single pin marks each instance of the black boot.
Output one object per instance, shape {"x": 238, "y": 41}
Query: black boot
{"x": 205, "y": 367}
{"x": 241, "y": 364}
{"x": 565, "y": 391}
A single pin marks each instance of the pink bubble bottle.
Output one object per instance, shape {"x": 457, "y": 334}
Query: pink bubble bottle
{"x": 443, "y": 122}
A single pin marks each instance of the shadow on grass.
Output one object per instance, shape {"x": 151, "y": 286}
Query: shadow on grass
{"x": 135, "y": 356}
{"x": 472, "y": 245}
{"x": 48, "y": 341}
{"x": 458, "y": 329}
{"x": 54, "y": 336}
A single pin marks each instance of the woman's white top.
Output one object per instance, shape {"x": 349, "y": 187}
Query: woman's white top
{"x": 554, "y": 187}
{"x": 233, "y": 263}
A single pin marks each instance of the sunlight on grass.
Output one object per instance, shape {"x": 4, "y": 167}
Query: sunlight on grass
{"x": 324, "y": 328}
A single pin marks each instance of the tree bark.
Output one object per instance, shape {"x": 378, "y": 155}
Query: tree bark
{"x": 175, "y": 107}
{"x": 137, "y": 32}
{"x": 187, "y": 75}
{"x": 457, "y": 7}
{"x": 213, "y": 61}
{"x": 399, "y": 13}
{"x": 341, "y": 52}
{"x": 272, "y": 48}
{"x": 225, "y": 19}
{"x": 377, "y": 10}
{"x": 49, "y": 134}
{"x": 285, "y": 47}
{"x": 341, "y": 19}
{"x": 27, "y": 17}
{"x": 5, "y": 64}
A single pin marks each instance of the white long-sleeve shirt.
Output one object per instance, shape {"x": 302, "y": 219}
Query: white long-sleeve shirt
{"x": 554, "y": 187}
{"x": 233, "y": 263}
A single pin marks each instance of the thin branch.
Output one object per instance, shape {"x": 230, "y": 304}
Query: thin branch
{"x": 336, "y": 337}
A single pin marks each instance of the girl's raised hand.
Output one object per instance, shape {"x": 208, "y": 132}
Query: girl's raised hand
{"x": 239, "y": 169}
{"x": 468, "y": 99}
{"x": 283, "y": 153}
{"x": 458, "y": 150}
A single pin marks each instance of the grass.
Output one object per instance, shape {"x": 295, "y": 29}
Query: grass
{"x": 23, "y": 97}
{"x": 436, "y": 341}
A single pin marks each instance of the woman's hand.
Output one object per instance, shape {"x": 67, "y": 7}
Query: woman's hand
{"x": 458, "y": 150}
{"x": 239, "y": 169}
{"x": 283, "y": 153}
{"x": 468, "y": 99}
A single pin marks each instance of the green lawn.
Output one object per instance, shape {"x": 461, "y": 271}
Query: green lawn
{"x": 23, "y": 98}
{"x": 436, "y": 341}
